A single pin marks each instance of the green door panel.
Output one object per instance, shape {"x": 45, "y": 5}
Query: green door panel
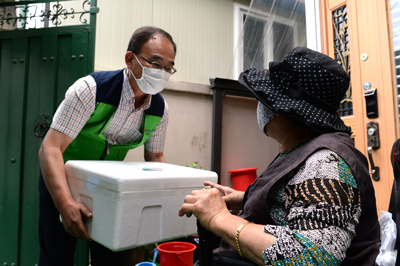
{"x": 29, "y": 192}
{"x": 79, "y": 51}
{"x": 12, "y": 76}
{"x": 36, "y": 69}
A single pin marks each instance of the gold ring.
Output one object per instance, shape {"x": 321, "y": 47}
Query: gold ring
{"x": 206, "y": 187}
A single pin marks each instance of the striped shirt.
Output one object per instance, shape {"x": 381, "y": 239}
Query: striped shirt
{"x": 125, "y": 126}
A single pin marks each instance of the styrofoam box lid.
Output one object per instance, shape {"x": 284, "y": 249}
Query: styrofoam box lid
{"x": 136, "y": 176}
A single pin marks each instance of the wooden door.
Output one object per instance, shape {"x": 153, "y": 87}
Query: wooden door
{"x": 357, "y": 34}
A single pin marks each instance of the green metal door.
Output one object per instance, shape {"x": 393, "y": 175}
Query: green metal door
{"x": 36, "y": 68}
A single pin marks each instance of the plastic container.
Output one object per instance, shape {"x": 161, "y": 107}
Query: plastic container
{"x": 242, "y": 178}
{"x": 145, "y": 263}
{"x": 135, "y": 203}
{"x": 176, "y": 253}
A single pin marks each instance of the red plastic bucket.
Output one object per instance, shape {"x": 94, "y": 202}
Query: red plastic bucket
{"x": 176, "y": 253}
{"x": 242, "y": 178}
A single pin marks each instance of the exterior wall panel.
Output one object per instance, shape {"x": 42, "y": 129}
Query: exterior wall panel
{"x": 189, "y": 128}
{"x": 202, "y": 30}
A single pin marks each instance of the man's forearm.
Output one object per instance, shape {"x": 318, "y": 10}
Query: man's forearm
{"x": 53, "y": 171}
{"x": 154, "y": 157}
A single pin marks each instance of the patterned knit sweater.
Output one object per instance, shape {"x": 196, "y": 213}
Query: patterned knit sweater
{"x": 315, "y": 213}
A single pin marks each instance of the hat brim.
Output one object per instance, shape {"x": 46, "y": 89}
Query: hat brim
{"x": 317, "y": 119}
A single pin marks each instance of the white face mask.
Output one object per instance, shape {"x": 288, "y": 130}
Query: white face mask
{"x": 153, "y": 80}
{"x": 264, "y": 115}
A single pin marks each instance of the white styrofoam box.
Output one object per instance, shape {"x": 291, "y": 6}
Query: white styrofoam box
{"x": 135, "y": 203}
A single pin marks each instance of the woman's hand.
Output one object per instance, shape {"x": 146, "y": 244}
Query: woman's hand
{"x": 232, "y": 198}
{"x": 208, "y": 207}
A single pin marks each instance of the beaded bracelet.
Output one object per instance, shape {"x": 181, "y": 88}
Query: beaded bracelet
{"x": 237, "y": 236}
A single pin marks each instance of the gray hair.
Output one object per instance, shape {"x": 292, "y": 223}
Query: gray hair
{"x": 143, "y": 34}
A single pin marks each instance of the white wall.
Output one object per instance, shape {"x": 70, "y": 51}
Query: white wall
{"x": 243, "y": 143}
{"x": 189, "y": 130}
{"x": 202, "y": 30}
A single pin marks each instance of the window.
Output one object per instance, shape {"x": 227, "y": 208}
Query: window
{"x": 266, "y": 31}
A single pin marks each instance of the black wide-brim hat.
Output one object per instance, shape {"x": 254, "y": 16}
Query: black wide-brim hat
{"x": 305, "y": 85}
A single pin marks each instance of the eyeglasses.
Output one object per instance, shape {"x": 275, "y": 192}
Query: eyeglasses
{"x": 169, "y": 69}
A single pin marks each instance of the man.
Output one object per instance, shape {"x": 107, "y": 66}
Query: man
{"x": 102, "y": 116}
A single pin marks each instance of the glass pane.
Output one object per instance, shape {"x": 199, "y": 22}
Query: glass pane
{"x": 282, "y": 46}
{"x": 342, "y": 53}
{"x": 395, "y": 12}
{"x": 252, "y": 41}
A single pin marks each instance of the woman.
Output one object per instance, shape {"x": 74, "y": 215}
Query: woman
{"x": 315, "y": 203}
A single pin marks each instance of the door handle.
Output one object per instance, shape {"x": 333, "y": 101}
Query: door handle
{"x": 373, "y": 143}
{"x": 374, "y": 169}
{"x": 42, "y": 125}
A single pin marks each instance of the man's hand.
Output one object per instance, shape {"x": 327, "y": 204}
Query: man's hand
{"x": 73, "y": 213}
